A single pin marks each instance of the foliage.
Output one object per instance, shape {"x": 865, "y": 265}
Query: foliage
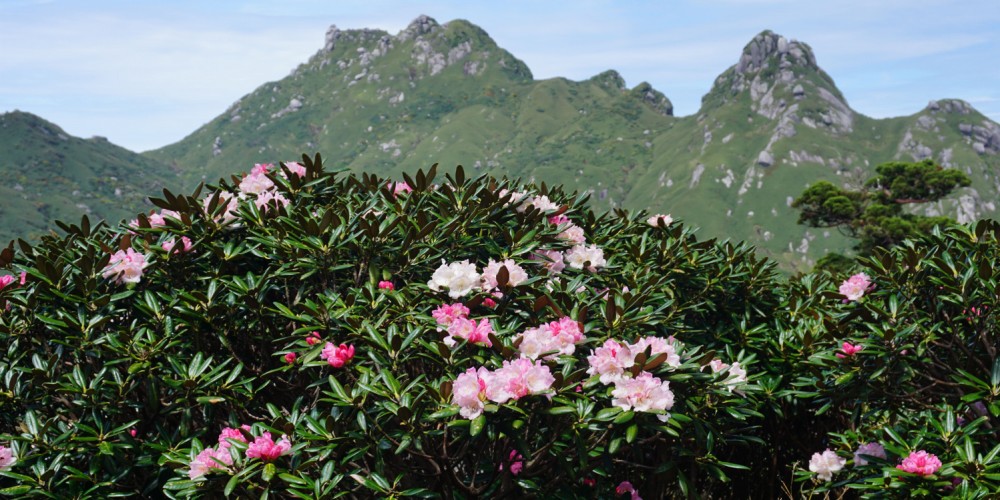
{"x": 875, "y": 214}
{"x": 296, "y": 348}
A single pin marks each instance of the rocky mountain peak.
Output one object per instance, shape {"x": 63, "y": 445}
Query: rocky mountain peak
{"x": 422, "y": 25}
{"x": 768, "y": 46}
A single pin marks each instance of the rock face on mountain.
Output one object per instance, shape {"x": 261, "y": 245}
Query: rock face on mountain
{"x": 50, "y": 175}
{"x": 446, "y": 93}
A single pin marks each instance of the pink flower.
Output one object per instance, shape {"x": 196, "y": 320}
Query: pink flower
{"x": 226, "y": 200}
{"x": 490, "y": 303}
{"x": 555, "y": 220}
{"x": 230, "y": 433}
{"x": 469, "y": 391}
{"x": 855, "y": 286}
{"x": 313, "y": 338}
{"x": 657, "y": 346}
{"x": 186, "y": 245}
{"x": 261, "y": 168}
{"x": 337, "y": 356}
{"x": 736, "y": 373}
{"x": 626, "y": 487}
{"x": 920, "y": 463}
{"x": 849, "y": 350}
{"x": 268, "y": 199}
{"x": 6, "y": 280}
{"x": 125, "y": 266}
{"x": 210, "y": 458}
{"x": 257, "y": 182}
{"x": 399, "y": 187}
{"x": 825, "y": 464}
{"x": 644, "y": 393}
{"x": 7, "y": 457}
{"x": 386, "y": 285}
{"x": 870, "y": 449}
{"x": 24, "y": 277}
{"x": 610, "y": 361}
{"x": 551, "y": 339}
{"x": 295, "y": 168}
{"x": 553, "y": 260}
{"x": 290, "y": 357}
{"x": 472, "y": 332}
{"x": 589, "y": 482}
{"x": 516, "y": 462}
{"x": 266, "y": 449}
{"x": 446, "y": 313}
{"x": 519, "y": 378}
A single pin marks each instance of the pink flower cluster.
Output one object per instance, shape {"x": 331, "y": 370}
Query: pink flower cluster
{"x": 848, "y": 350}
{"x": 7, "y": 279}
{"x": 611, "y": 360}
{"x": 7, "y": 457}
{"x": 386, "y": 285}
{"x": 399, "y": 188}
{"x": 644, "y": 393}
{"x": 855, "y": 287}
{"x": 170, "y": 246}
{"x": 337, "y": 356}
{"x": 156, "y": 219}
{"x": 264, "y": 447}
{"x": 228, "y": 214}
{"x": 514, "y": 380}
{"x": 920, "y": 463}
{"x": 126, "y": 266}
{"x": 552, "y": 339}
{"x": 454, "y": 318}
{"x": 626, "y": 487}
{"x": 220, "y": 457}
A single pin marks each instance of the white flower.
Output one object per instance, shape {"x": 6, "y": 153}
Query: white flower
{"x": 515, "y": 273}
{"x": 460, "y": 278}
{"x": 264, "y": 200}
{"x": 825, "y": 464}
{"x": 579, "y": 255}
{"x": 655, "y": 220}
{"x": 255, "y": 183}
{"x": 573, "y": 234}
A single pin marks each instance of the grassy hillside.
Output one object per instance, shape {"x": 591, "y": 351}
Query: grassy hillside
{"x": 50, "y": 175}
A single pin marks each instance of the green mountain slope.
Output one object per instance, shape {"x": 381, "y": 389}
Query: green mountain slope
{"x": 50, "y": 175}
{"x": 769, "y": 126}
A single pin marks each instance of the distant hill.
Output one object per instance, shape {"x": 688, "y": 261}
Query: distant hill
{"x": 50, "y": 175}
{"x": 770, "y": 125}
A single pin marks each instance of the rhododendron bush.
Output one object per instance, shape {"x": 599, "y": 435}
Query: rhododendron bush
{"x": 302, "y": 332}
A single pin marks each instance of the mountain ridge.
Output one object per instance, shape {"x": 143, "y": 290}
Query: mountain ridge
{"x": 770, "y": 124}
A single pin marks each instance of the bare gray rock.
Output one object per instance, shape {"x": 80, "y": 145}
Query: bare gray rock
{"x": 765, "y": 159}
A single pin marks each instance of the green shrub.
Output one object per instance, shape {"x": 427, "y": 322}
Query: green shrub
{"x": 305, "y": 333}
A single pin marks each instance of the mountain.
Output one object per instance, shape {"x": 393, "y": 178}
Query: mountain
{"x": 770, "y": 125}
{"x": 51, "y": 175}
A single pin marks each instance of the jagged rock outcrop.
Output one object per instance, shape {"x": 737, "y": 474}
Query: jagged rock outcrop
{"x": 654, "y": 99}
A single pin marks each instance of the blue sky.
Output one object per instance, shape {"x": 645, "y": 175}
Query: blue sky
{"x": 145, "y": 74}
